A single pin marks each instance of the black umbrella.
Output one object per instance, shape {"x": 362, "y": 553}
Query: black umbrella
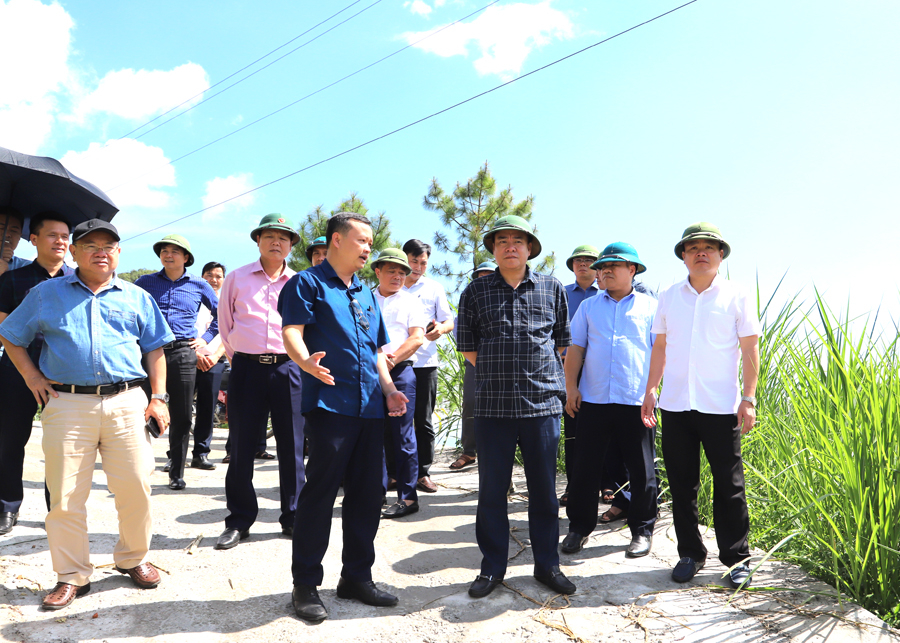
{"x": 32, "y": 184}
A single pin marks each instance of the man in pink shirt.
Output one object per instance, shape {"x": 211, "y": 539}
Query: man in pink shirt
{"x": 263, "y": 380}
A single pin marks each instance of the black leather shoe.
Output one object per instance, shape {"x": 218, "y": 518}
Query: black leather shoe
{"x": 307, "y": 604}
{"x": 555, "y": 580}
{"x": 176, "y": 484}
{"x": 8, "y": 520}
{"x": 400, "y": 509}
{"x": 202, "y": 462}
{"x": 640, "y": 546}
{"x": 365, "y": 592}
{"x": 288, "y": 531}
{"x": 167, "y": 466}
{"x": 231, "y": 537}
{"x": 686, "y": 569}
{"x": 484, "y": 585}
{"x": 573, "y": 543}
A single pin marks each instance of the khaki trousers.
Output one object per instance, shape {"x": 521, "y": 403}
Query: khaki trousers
{"x": 75, "y": 428}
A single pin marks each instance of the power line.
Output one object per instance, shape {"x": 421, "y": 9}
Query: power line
{"x": 197, "y": 104}
{"x": 299, "y": 100}
{"x": 421, "y": 120}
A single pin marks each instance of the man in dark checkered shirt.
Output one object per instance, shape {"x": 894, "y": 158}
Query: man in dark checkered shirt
{"x": 513, "y": 325}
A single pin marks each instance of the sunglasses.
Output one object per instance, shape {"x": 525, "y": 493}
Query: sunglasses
{"x": 360, "y": 314}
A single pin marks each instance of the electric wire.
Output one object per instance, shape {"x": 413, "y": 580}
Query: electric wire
{"x": 408, "y": 125}
{"x": 300, "y": 100}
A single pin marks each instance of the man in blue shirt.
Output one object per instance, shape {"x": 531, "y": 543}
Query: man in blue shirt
{"x": 333, "y": 329}
{"x": 50, "y": 235}
{"x": 585, "y": 287}
{"x": 95, "y": 328}
{"x": 179, "y": 296}
{"x": 611, "y": 338}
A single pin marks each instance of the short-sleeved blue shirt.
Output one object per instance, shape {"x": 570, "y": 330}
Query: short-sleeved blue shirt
{"x": 318, "y": 300}
{"x": 89, "y": 338}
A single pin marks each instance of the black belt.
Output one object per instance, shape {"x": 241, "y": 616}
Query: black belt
{"x": 103, "y": 389}
{"x": 407, "y": 362}
{"x": 268, "y": 358}
{"x": 178, "y": 343}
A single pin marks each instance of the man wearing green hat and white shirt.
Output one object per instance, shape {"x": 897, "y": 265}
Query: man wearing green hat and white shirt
{"x": 263, "y": 380}
{"x": 316, "y": 250}
{"x": 585, "y": 287}
{"x": 606, "y": 374}
{"x": 706, "y": 327}
{"x": 513, "y": 326}
{"x": 179, "y": 296}
{"x": 405, "y": 321}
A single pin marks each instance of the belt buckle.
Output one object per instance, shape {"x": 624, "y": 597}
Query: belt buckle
{"x": 98, "y": 389}
{"x": 266, "y": 359}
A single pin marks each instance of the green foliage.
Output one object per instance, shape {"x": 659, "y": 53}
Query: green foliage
{"x": 470, "y": 211}
{"x": 317, "y": 222}
{"x": 132, "y": 275}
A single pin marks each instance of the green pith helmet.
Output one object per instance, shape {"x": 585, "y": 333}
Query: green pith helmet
{"x": 620, "y": 251}
{"x": 512, "y": 222}
{"x": 275, "y": 221}
{"x": 318, "y": 242}
{"x": 701, "y": 230}
{"x": 175, "y": 240}
{"x": 582, "y": 251}
{"x": 393, "y": 255}
{"x": 485, "y": 266}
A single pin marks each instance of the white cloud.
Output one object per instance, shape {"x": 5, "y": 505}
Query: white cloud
{"x": 503, "y": 36}
{"x": 221, "y": 188}
{"x": 418, "y": 7}
{"x": 132, "y": 173}
{"x": 139, "y": 94}
{"x": 34, "y": 45}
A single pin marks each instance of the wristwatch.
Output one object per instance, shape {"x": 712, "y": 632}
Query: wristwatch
{"x": 749, "y": 398}
{"x": 160, "y": 396}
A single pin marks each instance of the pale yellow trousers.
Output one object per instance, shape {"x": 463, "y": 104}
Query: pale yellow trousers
{"x": 76, "y": 427}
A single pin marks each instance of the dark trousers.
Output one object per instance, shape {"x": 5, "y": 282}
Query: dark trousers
{"x": 345, "y": 447}
{"x": 600, "y": 425}
{"x": 570, "y": 431}
{"x": 683, "y": 433}
{"x": 615, "y": 476}
{"x": 467, "y": 422}
{"x": 17, "y": 409}
{"x": 207, "y": 384}
{"x": 538, "y": 439}
{"x": 181, "y": 372}
{"x": 255, "y": 390}
{"x": 400, "y": 448}
{"x": 426, "y": 395}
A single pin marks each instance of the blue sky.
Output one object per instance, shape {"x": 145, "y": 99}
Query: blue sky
{"x": 777, "y": 121}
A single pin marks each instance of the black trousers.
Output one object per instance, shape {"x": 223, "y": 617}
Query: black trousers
{"x": 570, "y": 431}
{"x": 426, "y": 395}
{"x": 207, "y": 384}
{"x": 599, "y": 426}
{"x": 181, "y": 373}
{"x": 467, "y": 422}
{"x": 683, "y": 433}
{"x": 340, "y": 446}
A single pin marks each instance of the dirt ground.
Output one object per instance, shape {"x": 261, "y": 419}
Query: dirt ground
{"x": 427, "y": 559}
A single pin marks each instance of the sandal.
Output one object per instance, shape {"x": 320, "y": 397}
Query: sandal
{"x": 609, "y": 516}
{"x": 264, "y": 455}
{"x": 462, "y": 461}
{"x": 608, "y": 495}
{"x": 564, "y": 500}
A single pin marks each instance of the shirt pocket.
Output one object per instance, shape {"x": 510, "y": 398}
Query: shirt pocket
{"x": 721, "y": 329}
{"x": 122, "y": 320}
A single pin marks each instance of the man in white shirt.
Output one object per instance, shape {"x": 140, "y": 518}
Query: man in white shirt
{"x": 705, "y": 327}
{"x": 405, "y": 320}
{"x": 434, "y": 300}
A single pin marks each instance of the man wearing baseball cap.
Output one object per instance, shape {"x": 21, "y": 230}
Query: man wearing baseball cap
{"x": 606, "y": 374}
{"x": 405, "y": 320}
{"x": 263, "y": 380}
{"x": 585, "y": 287}
{"x": 513, "y": 326}
{"x": 706, "y": 328}
{"x": 180, "y": 295}
{"x": 95, "y": 328}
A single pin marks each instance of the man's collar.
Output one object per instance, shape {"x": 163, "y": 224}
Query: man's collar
{"x": 329, "y": 273}
{"x": 716, "y": 282}
{"x": 605, "y": 293}
{"x": 73, "y": 278}
{"x": 593, "y": 286}
{"x": 184, "y": 275}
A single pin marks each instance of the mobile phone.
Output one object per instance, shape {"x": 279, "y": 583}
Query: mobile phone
{"x": 153, "y": 427}
{"x": 430, "y": 326}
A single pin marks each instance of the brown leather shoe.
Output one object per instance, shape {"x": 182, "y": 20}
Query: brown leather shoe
{"x": 425, "y": 484}
{"x": 63, "y": 594}
{"x": 144, "y": 575}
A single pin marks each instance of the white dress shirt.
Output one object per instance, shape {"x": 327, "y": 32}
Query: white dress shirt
{"x": 703, "y": 353}
{"x": 401, "y": 311}
{"x": 434, "y": 300}
{"x": 204, "y": 319}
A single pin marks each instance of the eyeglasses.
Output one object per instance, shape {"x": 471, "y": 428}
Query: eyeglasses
{"x": 92, "y": 248}
{"x": 361, "y": 318}
{"x": 583, "y": 260}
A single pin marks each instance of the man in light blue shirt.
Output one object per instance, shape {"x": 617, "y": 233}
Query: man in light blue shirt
{"x": 611, "y": 338}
